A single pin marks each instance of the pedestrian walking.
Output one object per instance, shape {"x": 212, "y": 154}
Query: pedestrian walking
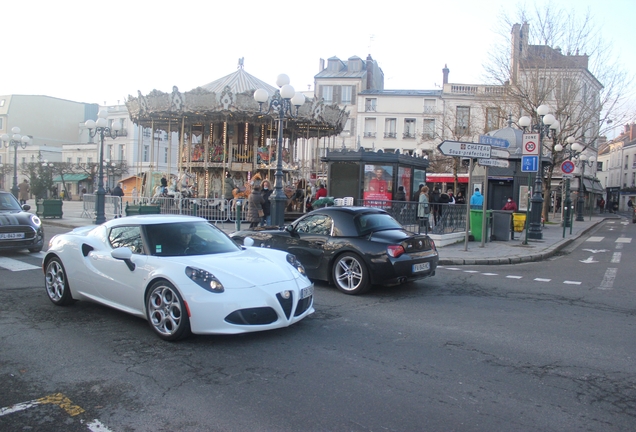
{"x": 23, "y": 191}
{"x": 477, "y": 200}
{"x": 255, "y": 207}
{"x": 510, "y": 205}
{"x": 266, "y": 220}
{"x": 423, "y": 209}
{"x": 117, "y": 192}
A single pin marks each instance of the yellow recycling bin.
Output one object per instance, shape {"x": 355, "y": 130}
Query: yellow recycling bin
{"x": 518, "y": 221}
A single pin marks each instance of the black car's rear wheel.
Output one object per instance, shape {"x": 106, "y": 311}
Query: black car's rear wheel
{"x": 166, "y": 312}
{"x": 350, "y": 274}
{"x": 56, "y": 283}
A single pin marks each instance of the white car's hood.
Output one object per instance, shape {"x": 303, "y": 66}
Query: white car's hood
{"x": 247, "y": 268}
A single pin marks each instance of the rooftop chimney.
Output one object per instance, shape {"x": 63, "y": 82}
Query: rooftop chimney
{"x": 445, "y": 71}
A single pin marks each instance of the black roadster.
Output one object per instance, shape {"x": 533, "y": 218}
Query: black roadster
{"x": 352, "y": 247}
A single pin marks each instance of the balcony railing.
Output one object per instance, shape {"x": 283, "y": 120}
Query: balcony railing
{"x": 369, "y": 107}
{"x": 390, "y": 135}
{"x": 408, "y": 135}
{"x": 369, "y": 135}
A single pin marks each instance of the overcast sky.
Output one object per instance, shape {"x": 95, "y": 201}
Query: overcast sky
{"x": 101, "y": 52}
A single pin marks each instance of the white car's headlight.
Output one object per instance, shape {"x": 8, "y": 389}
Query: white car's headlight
{"x": 205, "y": 279}
{"x": 36, "y": 220}
{"x": 291, "y": 259}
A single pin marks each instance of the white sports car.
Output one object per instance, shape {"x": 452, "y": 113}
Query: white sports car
{"x": 180, "y": 273}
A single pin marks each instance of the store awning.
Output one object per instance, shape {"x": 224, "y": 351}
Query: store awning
{"x": 593, "y": 186}
{"x": 71, "y": 178}
{"x": 445, "y": 178}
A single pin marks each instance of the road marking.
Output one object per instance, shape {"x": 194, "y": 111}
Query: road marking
{"x": 490, "y": 274}
{"x": 542, "y": 280}
{"x": 39, "y": 255}
{"x": 596, "y": 250}
{"x": 471, "y": 271}
{"x": 15, "y": 265}
{"x": 97, "y": 426}
{"x": 624, "y": 240}
{"x": 619, "y": 245}
{"x": 590, "y": 260}
{"x": 452, "y": 268}
{"x": 595, "y": 239}
{"x": 55, "y": 399}
{"x": 608, "y": 279}
{"x": 616, "y": 258}
{"x": 514, "y": 277}
{"x": 572, "y": 282}
{"x": 60, "y": 400}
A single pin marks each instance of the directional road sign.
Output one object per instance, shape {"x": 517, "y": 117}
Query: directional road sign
{"x": 464, "y": 149}
{"x": 529, "y": 163}
{"x": 531, "y": 144}
{"x": 494, "y": 162}
{"x": 567, "y": 167}
{"x": 495, "y": 142}
{"x": 499, "y": 153}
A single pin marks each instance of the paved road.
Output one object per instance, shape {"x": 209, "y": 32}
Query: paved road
{"x": 534, "y": 346}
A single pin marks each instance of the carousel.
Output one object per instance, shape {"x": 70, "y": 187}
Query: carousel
{"x": 222, "y": 129}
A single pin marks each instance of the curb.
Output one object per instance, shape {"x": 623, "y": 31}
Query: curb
{"x": 547, "y": 253}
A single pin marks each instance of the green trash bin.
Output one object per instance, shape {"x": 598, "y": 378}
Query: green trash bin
{"x": 476, "y": 222}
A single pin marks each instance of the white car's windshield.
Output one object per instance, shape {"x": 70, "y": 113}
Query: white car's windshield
{"x": 191, "y": 238}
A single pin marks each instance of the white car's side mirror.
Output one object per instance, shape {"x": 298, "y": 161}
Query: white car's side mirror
{"x": 124, "y": 254}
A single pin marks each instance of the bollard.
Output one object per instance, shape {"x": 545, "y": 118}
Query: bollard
{"x": 238, "y": 215}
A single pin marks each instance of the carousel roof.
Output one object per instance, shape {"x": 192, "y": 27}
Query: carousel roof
{"x": 238, "y": 82}
{"x": 231, "y": 98}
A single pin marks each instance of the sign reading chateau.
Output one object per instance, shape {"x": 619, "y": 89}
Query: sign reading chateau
{"x": 464, "y": 149}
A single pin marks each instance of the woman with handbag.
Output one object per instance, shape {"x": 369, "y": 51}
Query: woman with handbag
{"x": 255, "y": 206}
{"x": 423, "y": 209}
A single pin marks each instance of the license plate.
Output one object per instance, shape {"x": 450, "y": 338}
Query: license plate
{"x": 421, "y": 267}
{"x": 306, "y": 292}
{"x": 8, "y": 236}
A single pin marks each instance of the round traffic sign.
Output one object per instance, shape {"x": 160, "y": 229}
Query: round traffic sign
{"x": 531, "y": 146}
{"x": 567, "y": 167}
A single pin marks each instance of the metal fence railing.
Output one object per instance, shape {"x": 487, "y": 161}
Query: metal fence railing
{"x": 112, "y": 206}
{"x": 442, "y": 218}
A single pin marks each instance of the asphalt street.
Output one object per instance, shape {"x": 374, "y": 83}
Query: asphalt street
{"x": 545, "y": 345}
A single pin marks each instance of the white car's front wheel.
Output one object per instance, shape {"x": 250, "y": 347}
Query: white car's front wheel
{"x": 166, "y": 312}
{"x": 56, "y": 283}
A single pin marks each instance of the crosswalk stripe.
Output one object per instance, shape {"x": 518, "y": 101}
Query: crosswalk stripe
{"x": 608, "y": 279}
{"x": 572, "y": 282}
{"x": 616, "y": 258}
{"x": 595, "y": 239}
{"x": 624, "y": 240}
{"x": 15, "y": 265}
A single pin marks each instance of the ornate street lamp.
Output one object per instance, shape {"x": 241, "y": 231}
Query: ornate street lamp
{"x": 15, "y": 140}
{"x": 101, "y": 127}
{"x": 582, "y": 161}
{"x": 548, "y": 127}
{"x": 281, "y": 103}
{"x": 573, "y": 150}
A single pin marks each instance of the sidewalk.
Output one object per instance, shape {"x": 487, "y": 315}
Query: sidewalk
{"x": 493, "y": 253}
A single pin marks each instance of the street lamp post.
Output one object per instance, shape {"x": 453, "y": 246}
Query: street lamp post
{"x": 582, "y": 161}
{"x": 548, "y": 127}
{"x": 15, "y": 140}
{"x": 101, "y": 127}
{"x": 572, "y": 150}
{"x": 47, "y": 166}
{"x": 281, "y": 103}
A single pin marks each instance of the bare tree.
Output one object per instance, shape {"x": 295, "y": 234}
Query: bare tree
{"x": 559, "y": 58}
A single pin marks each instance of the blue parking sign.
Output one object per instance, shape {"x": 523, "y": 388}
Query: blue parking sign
{"x": 529, "y": 163}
